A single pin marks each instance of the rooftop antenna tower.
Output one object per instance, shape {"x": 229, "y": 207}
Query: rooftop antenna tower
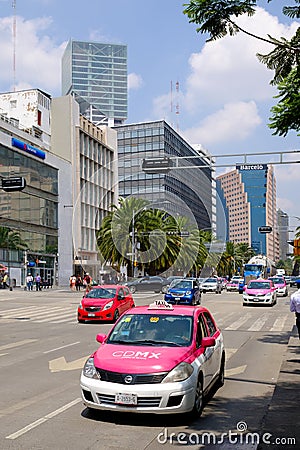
{"x": 177, "y": 105}
{"x": 14, "y": 33}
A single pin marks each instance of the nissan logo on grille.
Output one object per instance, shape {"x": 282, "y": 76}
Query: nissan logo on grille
{"x": 128, "y": 379}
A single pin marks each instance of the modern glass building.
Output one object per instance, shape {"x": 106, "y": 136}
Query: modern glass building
{"x": 32, "y": 212}
{"x": 184, "y": 191}
{"x": 96, "y": 74}
{"x": 250, "y": 197}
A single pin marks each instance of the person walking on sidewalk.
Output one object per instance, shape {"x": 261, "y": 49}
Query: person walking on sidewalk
{"x": 295, "y": 307}
{"x": 29, "y": 282}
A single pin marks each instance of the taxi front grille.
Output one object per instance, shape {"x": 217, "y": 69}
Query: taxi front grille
{"x": 117, "y": 377}
{"x": 143, "y": 402}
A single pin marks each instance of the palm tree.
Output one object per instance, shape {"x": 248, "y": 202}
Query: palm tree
{"x": 10, "y": 239}
{"x": 157, "y": 233}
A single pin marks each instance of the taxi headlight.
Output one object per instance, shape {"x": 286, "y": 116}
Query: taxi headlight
{"x": 188, "y": 292}
{"x": 89, "y": 369}
{"x": 179, "y": 373}
{"x": 108, "y": 305}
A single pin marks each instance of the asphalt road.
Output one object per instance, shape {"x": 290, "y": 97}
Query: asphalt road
{"x": 43, "y": 349}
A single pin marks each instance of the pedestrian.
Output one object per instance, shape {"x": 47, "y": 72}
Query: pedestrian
{"x": 5, "y": 281}
{"x": 29, "y": 282}
{"x": 295, "y": 307}
{"x": 73, "y": 283}
{"x": 87, "y": 282}
{"x": 78, "y": 282}
{"x": 38, "y": 283}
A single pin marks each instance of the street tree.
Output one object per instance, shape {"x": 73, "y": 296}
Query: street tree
{"x": 135, "y": 231}
{"x": 217, "y": 19}
{"x": 10, "y": 239}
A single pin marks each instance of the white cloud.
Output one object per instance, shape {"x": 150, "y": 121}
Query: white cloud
{"x": 37, "y": 56}
{"x": 228, "y": 69}
{"x": 227, "y": 85}
{"x": 135, "y": 81}
{"x": 234, "y": 121}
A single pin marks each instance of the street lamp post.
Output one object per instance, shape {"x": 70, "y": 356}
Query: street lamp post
{"x": 133, "y": 243}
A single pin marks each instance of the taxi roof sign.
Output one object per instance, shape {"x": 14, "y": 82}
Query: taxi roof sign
{"x": 160, "y": 304}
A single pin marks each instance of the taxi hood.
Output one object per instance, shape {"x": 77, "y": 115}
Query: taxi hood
{"x": 87, "y": 301}
{"x": 139, "y": 359}
{"x": 258, "y": 291}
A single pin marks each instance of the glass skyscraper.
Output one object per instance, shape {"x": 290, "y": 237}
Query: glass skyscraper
{"x": 250, "y": 199}
{"x": 186, "y": 191}
{"x": 96, "y": 74}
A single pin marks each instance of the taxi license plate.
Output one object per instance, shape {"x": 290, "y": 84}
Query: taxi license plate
{"x": 177, "y": 298}
{"x": 126, "y": 399}
{"x": 256, "y": 299}
{"x": 91, "y": 314}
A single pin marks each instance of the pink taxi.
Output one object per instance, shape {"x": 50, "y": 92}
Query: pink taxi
{"x": 281, "y": 286}
{"x": 260, "y": 292}
{"x": 156, "y": 359}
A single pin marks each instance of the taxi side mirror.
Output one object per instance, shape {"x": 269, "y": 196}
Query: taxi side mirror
{"x": 101, "y": 338}
{"x": 208, "y": 342}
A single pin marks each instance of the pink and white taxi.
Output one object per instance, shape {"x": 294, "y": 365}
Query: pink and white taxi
{"x": 281, "y": 286}
{"x": 156, "y": 359}
{"x": 260, "y": 292}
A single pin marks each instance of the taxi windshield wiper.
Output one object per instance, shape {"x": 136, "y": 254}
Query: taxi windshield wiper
{"x": 154, "y": 342}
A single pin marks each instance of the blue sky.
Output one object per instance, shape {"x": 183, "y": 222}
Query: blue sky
{"x": 223, "y": 94}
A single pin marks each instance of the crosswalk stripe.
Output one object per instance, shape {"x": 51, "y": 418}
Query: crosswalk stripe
{"x": 279, "y": 323}
{"x": 238, "y": 323}
{"x": 44, "y": 312}
{"x": 55, "y": 316}
{"x": 259, "y": 323}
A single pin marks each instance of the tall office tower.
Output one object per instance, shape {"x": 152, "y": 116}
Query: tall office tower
{"x": 250, "y": 198}
{"x": 283, "y": 231}
{"x": 186, "y": 191}
{"x": 96, "y": 74}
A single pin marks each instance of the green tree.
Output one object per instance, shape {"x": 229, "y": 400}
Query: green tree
{"x": 11, "y": 240}
{"x": 157, "y": 235}
{"x": 216, "y": 18}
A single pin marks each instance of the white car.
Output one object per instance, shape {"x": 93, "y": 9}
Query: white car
{"x": 211, "y": 285}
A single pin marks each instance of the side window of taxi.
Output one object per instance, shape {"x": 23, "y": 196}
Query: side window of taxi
{"x": 126, "y": 290}
{"x": 201, "y": 330}
{"x": 210, "y": 325}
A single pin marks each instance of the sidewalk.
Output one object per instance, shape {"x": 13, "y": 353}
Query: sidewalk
{"x": 282, "y": 419}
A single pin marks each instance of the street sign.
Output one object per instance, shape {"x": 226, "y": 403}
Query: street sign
{"x": 157, "y": 165}
{"x": 12, "y": 184}
{"x": 265, "y": 229}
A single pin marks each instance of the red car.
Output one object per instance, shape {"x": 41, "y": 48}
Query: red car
{"x": 106, "y": 302}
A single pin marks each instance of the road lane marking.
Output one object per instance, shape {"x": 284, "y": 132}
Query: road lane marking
{"x": 60, "y": 364}
{"x": 238, "y": 323}
{"x": 59, "y": 348}
{"x": 42, "y": 420}
{"x": 229, "y": 352}
{"x": 235, "y": 371}
{"x": 259, "y": 323}
{"x": 279, "y": 324}
{"x": 17, "y": 344}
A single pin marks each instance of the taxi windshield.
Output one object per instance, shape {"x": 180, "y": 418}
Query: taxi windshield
{"x": 259, "y": 285}
{"x": 101, "y": 293}
{"x": 152, "y": 329}
{"x": 182, "y": 284}
{"x": 278, "y": 280}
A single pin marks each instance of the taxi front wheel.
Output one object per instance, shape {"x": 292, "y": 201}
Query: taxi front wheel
{"x": 199, "y": 399}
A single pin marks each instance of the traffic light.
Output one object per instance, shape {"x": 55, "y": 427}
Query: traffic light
{"x": 13, "y": 184}
{"x": 296, "y": 246}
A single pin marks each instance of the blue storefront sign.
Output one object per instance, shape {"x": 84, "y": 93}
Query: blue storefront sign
{"x": 28, "y": 148}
